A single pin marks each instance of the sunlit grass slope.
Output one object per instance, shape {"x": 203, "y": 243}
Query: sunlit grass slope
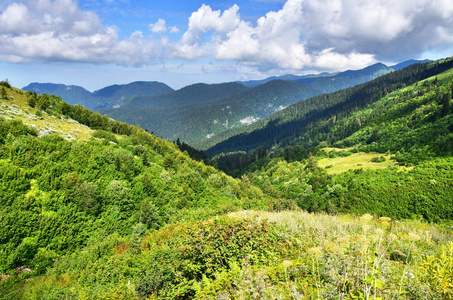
{"x": 16, "y": 107}
{"x": 355, "y": 161}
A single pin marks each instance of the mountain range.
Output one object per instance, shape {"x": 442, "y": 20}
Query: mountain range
{"x": 109, "y": 96}
{"x": 199, "y": 112}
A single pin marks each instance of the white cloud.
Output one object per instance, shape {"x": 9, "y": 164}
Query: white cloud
{"x": 304, "y": 34}
{"x": 174, "y": 29}
{"x": 59, "y": 31}
{"x": 200, "y": 22}
{"x": 325, "y": 34}
{"x": 158, "y": 27}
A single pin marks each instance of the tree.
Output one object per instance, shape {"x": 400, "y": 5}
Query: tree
{"x": 32, "y": 98}
{"x": 43, "y": 102}
{"x": 446, "y": 104}
{"x": 86, "y": 197}
{"x": 3, "y": 93}
{"x": 5, "y": 83}
{"x": 149, "y": 214}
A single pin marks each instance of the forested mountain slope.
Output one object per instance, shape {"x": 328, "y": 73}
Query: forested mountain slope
{"x": 331, "y": 118}
{"x": 105, "y": 97}
{"x": 199, "y": 112}
{"x": 393, "y": 155}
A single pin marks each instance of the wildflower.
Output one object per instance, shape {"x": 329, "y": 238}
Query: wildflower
{"x": 379, "y": 231}
{"x": 287, "y": 263}
{"x": 218, "y": 226}
{"x": 414, "y": 237}
{"x": 366, "y": 218}
{"x": 344, "y": 239}
{"x": 385, "y": 219}
{"x": 316, "y": 251}
{"x": 392, "y": 236}
{"x": 360, "y": 238}
{"x": 331, "y": 247}
{"x": 366, "y": 228}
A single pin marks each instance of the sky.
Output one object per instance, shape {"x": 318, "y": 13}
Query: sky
{"x": 98, "y": 43}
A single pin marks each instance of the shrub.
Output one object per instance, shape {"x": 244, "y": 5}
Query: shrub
{"x": 5, "y": 83}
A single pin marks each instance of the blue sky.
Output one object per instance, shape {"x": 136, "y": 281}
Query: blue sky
{"x": 97, "y": 43}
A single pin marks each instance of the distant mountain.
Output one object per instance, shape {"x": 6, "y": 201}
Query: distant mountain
{"x": 106, "y": 97}
{"x": 117, "y": 93}
{"x": 201, "y": 111}
{"x": 408, "y": 63}
{"x": 350, "y": 73}
{"x": 289, "y": 77}
{"x": 372, "y": 70}
{"x": 195, "y": 94}
{"x": 72, "y": 94}
{"x": 332, "y": 117}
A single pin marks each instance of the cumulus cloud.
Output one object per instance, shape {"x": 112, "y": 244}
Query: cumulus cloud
{"x": 59, "y": 31}
{"x": 158, "y": 27}
{"x": 322, "y": 34}
{"x": 202, "y": 21}
{"x": 303, "y": 34}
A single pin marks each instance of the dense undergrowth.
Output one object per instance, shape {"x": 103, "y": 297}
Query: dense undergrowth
{"x": 424, "y": 191}
{"x": 258, "y": 255}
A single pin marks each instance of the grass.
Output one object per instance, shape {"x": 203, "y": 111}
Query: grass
{"x": 363, "y": 257}
{"x": 355, "y": 161}
{"x": 316, "y": 256}
{"x": 18, "y": 109}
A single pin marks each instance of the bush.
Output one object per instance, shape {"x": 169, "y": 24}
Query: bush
{"x": 5, "y": 83}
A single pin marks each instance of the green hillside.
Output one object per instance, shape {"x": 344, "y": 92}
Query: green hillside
{"x": 393, "y": 155}
{"x": 331, "y": 118}
{"x": 67, "y": 186}
{"x": 92, "y": 208}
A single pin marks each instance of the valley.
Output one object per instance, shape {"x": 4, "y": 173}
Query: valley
{"x": 211, "y": 109}
{"x": 341, "y": 195}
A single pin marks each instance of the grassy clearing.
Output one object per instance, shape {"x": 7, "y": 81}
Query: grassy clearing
{"x": 16, "y": 107}
{"x": 355, "y": 161}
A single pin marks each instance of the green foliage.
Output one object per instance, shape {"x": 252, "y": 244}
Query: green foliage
{"x": 56, "y": 194}
{"x": 332, "y": 118}
{"x": 421, "y": 192}
{"x": 5, "y": 83}
{"x": 258, "y": 256}
{"x": 438, "y": 271}
{"x": 378, "y": 159}
{"x": 3, "y": 93}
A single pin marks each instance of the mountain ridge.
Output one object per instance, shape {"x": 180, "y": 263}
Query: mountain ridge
{"x": 106, "y": 97}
